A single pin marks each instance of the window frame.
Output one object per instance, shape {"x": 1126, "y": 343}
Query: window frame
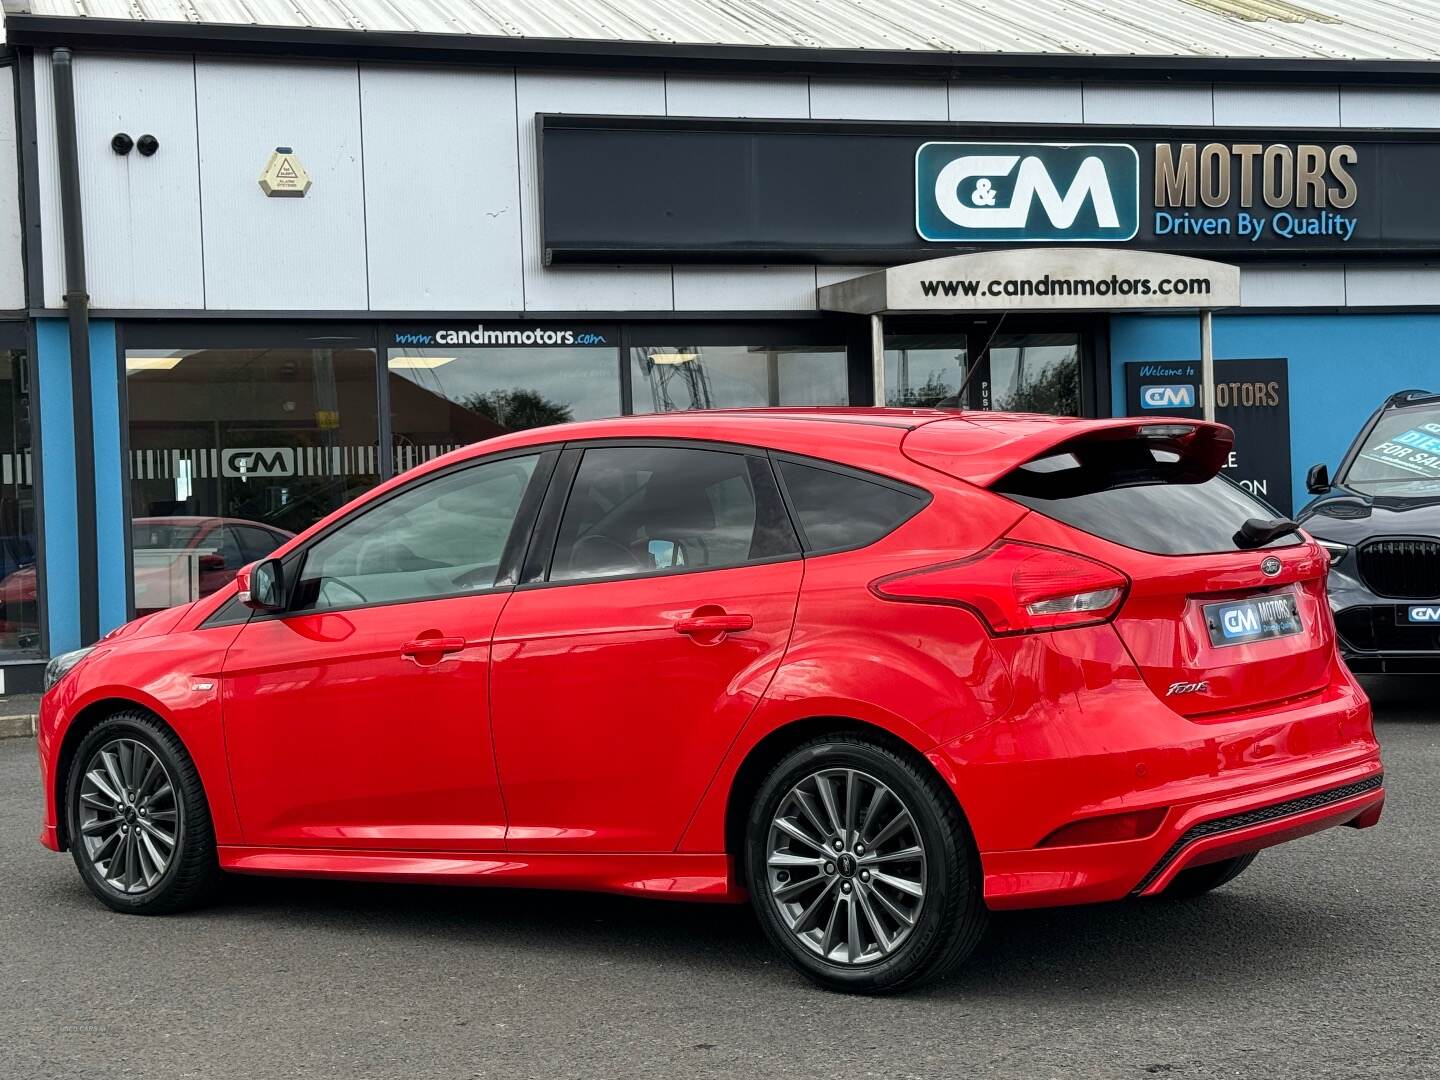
{"x": 540, "y": 559}
{"x": 522, "y": 530}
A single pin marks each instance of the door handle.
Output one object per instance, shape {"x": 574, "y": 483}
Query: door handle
{"x": 713, "y": 625}
{"x": 427, "y": 646}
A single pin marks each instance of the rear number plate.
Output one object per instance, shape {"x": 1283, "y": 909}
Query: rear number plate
{"x": 1237, "y": 621}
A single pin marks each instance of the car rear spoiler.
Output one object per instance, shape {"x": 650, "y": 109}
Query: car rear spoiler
{"x": 982, "y": 448}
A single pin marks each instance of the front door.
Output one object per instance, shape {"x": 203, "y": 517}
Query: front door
{"x": 357, "y": 718}
{"x": 623, "y": 676}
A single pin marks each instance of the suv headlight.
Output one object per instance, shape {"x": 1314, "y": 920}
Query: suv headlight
{"x": 57, "y": 667}
{"x": 1337, "y": 551}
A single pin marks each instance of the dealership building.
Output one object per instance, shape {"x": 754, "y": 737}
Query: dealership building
{"x": 248, "y": 269}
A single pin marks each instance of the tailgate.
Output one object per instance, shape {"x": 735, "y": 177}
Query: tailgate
{"x": 1225, "y": 609}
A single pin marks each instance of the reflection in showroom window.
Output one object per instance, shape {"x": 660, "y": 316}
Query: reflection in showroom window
{"x": 232, "y": 451}
{"x": 1037, "y": 373}
{"x": 441, "y": 399}
{"x": 19, "y": 585}
{"x": 668, "y": 378}
{"x": 925, "y": 371}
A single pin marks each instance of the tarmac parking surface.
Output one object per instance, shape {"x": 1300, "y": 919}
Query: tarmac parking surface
{"x": 1321, "y": 961}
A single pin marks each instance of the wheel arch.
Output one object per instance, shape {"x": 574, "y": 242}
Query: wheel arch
{"x": 768, "y": 751}
{"x": 84, "y": 722}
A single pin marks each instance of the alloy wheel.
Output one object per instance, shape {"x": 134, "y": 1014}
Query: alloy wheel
{"x": 128, "y": 816}
{"x": 846, "y": 866}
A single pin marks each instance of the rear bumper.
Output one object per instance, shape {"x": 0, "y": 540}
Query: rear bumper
{"x": 1203, "y": 832}
{"x": 1103, "y": 744}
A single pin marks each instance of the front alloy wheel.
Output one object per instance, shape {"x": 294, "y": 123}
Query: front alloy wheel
{"x": 861, "y": 866}
{"x": 846, "y": 866}
{"x": 128, "y": 816}
{"x": 138, "y": 823}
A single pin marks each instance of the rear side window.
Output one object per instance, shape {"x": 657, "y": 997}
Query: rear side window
{"x": 839, "y": 510}
{"x": 1143, "y": 498}
{"x": 648, "y": 510}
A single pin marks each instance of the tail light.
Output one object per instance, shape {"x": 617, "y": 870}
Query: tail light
{"x": 1017, "y": 588}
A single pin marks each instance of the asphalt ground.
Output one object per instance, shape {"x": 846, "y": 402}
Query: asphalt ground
{"x": 1321, "y": 961}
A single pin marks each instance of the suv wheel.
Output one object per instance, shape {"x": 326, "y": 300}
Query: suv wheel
{"x": 139, "y": 825}
{"x": 862, "y": 869}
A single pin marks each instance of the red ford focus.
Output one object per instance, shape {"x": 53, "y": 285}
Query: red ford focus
{"x": 882, "y": 671}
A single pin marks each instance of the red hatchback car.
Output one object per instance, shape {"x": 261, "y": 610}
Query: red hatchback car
{"x": 882, "y": 671}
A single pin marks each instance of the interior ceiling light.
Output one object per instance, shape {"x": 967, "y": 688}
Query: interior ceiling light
{"x": 151, "y": 363}
{"x": 673, "y": 357}
{"x": 420, "y": 363}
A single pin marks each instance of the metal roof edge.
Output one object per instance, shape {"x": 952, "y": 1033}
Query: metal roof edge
{"x": 126, "y": 35}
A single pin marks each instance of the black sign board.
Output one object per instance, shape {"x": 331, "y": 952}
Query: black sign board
{"x": 1251, "y": 396}
{"x": 721, "y": 190}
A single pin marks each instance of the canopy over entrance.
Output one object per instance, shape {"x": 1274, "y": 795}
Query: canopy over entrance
{"x": 1039, "y": 279}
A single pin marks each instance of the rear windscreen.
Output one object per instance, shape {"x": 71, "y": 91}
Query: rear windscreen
{"x": 1144, "y": 498}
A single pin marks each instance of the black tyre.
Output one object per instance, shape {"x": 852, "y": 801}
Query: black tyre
{"x": 861, "y": 867}
{"x": 1199, "y": 880}
{"x": 138, "y": 822}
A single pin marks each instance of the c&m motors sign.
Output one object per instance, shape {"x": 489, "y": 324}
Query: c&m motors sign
{"x": 985, "y": 193}
{"x": 1186, "y": 193}
{"x": 863, "y": 193}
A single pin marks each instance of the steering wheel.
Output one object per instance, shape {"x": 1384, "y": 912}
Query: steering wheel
{"x": 597, "y": 555}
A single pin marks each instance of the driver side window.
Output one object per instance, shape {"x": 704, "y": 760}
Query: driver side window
{"x": 444, "y": 537}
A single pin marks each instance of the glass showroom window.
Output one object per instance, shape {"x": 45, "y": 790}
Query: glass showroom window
{"x": 232, "y": 451}
{"x": 924, "y": 370}
{"x": 1037, "y": 373}
{"x": 667, "y": 378}
{"x": 19, "y": 590}
{"x": 441, "y": 398}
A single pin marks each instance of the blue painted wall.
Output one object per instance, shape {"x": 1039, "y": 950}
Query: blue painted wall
{"x": 1341, "y": 366}
{"x": 57, "y": 498}
{"x": 57, "y": 447}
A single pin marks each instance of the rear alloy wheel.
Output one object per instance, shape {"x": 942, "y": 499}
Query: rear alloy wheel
{"x": 862, "y": 869}
{"x": 1199, "y": 880}
{"x": 139, "y": 826}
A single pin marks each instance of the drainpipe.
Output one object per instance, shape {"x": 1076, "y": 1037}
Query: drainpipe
{"x": 77, "y": 313}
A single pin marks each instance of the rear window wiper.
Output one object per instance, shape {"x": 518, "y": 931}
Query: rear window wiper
{"x": 1257, "y": 532}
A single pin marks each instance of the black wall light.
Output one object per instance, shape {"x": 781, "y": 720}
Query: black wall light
{"x": 122, "y": 144}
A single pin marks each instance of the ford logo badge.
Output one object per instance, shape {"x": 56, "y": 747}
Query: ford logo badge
{"x": 1270, "y": 567}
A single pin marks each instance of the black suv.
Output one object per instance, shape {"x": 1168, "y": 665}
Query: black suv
{"x": 1380, "y": 521}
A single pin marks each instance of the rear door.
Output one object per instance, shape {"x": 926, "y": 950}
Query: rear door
{"x": 650, "y": 625}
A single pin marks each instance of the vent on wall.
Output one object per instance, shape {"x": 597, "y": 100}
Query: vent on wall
{"x": 1263, "y": 10}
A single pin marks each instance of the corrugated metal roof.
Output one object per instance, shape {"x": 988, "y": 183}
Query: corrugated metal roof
{"x": 1368, "y": 30}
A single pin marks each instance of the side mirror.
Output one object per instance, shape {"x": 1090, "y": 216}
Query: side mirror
{"x": 1317, "y": 480}
{"x": 262, "y": 585}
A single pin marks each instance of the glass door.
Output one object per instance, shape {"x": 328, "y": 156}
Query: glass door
{"x": 973, "y": 365}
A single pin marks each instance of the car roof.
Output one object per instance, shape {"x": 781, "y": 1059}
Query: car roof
{"x": 1408, "y": 398}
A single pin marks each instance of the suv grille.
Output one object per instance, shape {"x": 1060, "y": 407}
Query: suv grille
{"x": 1401, "y": 568}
